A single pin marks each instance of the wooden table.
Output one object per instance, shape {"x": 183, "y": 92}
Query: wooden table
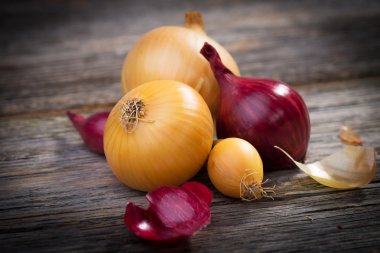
{"x": 56, "y": 196}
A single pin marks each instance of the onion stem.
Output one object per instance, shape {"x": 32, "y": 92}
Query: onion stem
{"x": 194, "y": 21}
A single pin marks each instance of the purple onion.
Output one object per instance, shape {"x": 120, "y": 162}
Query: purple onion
{"x": 264, "y": 112}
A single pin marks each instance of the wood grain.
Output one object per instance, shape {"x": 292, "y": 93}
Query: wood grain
{"x": 55, "y": 55}
{"x": 56, "y": 196}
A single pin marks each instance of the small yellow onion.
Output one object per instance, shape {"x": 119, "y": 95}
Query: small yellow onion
{"x": 173, "y": 52}
{"x": 235, "y": 169}
{"x": 159, "y": 133}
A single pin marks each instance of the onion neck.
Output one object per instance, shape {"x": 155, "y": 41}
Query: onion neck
{"x": 223, "y": 75}
{"x": 194, "y": 22}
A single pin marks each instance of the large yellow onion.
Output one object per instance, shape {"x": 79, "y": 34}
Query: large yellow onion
{"x": 159, "y": 133}
{"x": 172, "y": 52}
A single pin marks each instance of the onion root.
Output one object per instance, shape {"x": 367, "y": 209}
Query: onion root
{"x": 253, "y": 191}
{"x": 133, "y": 111}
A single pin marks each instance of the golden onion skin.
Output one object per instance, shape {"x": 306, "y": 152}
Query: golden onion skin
{"x": 232, "y": 160}
{"x": 172, "y": 52}
{"x": 168, "y": 145}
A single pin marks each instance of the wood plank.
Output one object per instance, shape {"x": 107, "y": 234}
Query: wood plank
{"x": 57, "y": 196}
{"x": 69, "y": 54}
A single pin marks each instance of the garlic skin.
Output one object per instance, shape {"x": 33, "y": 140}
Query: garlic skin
{"x": 172, "y": 53}
{"x": 349, "y": 168}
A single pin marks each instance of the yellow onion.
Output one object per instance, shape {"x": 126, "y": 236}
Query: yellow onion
{"x": 235, "y": 169}
{"x": 172, "y": 52}
{"x": 159, "y": 133}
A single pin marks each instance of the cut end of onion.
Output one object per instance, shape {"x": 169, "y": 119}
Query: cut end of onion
{"x": 174, "y": 213}
{"x": 349, "y": 168}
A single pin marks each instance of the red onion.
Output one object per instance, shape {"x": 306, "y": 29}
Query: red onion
{"x": 91, "y": 129}
{"x": 265, "y": 112}
{"x": 174, "y": 212}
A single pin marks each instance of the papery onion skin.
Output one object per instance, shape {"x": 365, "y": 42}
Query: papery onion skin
{"x": 234, "y": 161}
{"x": 348, "y": 136}
{"x": 169, "y": 144}
{"x": 91, "y": 129}
{"x": 265, "y": 112}
{"x": 174, "y": 213}
{"x": 172, "y": 52}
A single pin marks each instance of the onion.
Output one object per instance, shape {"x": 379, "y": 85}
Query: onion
{"x": 265, "y": 112}
{"x": 236, "y": 170}
{"x": 172, "y": 52}
{"x": 174, "y": 212}
{"x": 91, "y": 129}
{"x": 159, "y": 133}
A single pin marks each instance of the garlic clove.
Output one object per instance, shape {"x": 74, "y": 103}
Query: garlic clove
{"x": 351, "y": 167}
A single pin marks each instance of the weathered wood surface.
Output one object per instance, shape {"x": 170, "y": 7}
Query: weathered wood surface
{"x": 55, "y": 196}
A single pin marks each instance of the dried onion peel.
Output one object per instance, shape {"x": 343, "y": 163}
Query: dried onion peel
{"x": 91, "y": 129}
{"x": 348, "y": 136}
{"x": 174, "y": 212}
{"x": 351, "y": 167}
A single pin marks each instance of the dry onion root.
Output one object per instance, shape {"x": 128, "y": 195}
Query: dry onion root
{"x": 351, "y": 167}
{"x": 249, "y": 192}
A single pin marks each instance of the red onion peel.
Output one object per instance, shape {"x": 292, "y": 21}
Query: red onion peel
{"x": 264, "y": 112}
{"x": 91, "y": 129}
{"x": 174, "y": 212}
